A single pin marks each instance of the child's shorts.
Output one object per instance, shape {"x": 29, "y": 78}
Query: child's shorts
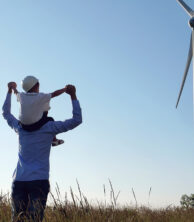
{"x": 36, "y": 126}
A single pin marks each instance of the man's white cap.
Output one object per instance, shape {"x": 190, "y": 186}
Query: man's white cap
{"x": 28, "y": 82}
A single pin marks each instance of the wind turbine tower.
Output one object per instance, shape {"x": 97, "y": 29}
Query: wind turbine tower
{"x": 191, "y": 49}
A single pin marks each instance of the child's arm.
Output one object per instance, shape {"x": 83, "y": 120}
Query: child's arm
{"x": 58, "y": 92}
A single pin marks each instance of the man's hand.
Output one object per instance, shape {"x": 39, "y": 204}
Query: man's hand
{"x": 71, "y": 90}
{"x": 11, "y": 85}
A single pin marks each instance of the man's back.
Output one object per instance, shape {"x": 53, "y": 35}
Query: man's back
{"x": 34, "y": 147}
{"x": 33, "y": 155}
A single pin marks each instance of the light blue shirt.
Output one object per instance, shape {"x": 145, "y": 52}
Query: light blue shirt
{"x": 34, "y": 147}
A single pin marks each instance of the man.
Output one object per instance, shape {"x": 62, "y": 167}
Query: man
{"x": 30, "y": 185}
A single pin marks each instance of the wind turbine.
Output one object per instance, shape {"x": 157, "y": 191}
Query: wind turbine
{"x": 191, "y": 49}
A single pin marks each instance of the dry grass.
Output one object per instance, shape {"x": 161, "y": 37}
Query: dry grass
{"x": 78, "y": 209}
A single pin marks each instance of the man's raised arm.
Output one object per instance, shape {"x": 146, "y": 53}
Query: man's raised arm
{"x": 63, "y": 126}
{"x": 11, "y": 120}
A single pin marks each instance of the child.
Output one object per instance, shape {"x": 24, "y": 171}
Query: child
{"x": 34, "y": 106}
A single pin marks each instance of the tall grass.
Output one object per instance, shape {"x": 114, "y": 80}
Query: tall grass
{"x": 78, "y": 209}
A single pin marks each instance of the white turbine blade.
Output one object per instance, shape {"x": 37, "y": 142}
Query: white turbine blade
{"x": 193, "y": 61}
{"x": 186, "y": 7}
{"x": 186, "y": 68}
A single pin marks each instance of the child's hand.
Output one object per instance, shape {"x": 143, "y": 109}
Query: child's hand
{"x": 70, "y": 89}
{"x": 12, "y": 85}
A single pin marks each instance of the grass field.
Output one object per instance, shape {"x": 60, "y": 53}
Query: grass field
{"x": 71, "y": 213}
{"x": 78, "y": 209}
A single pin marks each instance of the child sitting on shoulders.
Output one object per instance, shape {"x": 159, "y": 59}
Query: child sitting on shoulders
{"x": 34, "y": 105}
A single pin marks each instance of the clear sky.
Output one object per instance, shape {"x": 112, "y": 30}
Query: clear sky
{"x": 126, "y": 59}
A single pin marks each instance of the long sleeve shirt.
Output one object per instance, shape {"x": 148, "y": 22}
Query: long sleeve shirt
{"x": 34, "y": 147}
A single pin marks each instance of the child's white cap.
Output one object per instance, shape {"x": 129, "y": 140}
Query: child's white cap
{"x": 28, "y": 82}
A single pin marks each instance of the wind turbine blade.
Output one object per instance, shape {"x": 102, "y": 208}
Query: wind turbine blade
{"x": 190, "y": 55}
{"x": 193, "y": 61}
{"x": 186, "y": 7}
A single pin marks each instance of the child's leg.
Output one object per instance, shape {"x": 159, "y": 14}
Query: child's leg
{"x": 56, "y": 141}
{"x": 37, "y": 125}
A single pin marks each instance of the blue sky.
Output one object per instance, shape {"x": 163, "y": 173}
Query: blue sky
{"x": 126, "y": 59}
